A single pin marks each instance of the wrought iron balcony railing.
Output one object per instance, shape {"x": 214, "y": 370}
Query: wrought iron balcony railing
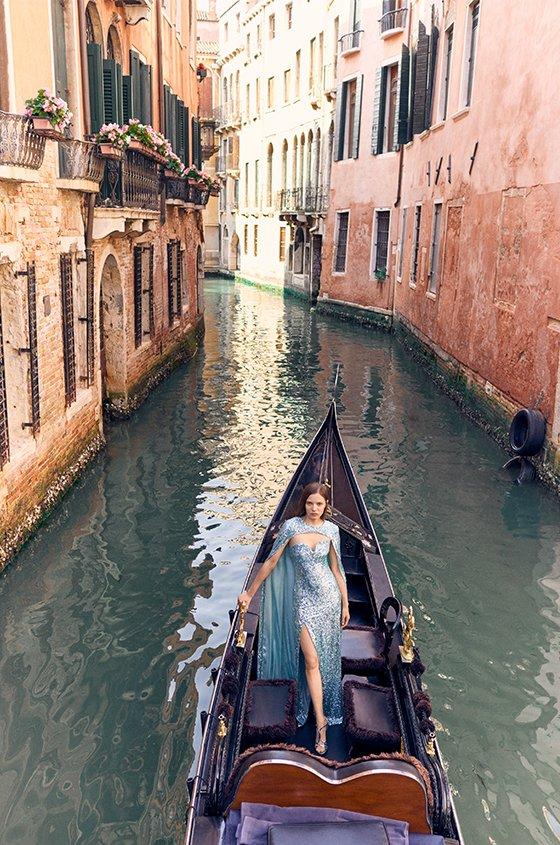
{"x": 228, "y": 115}
{"x": 19, "y": 145}
{"x": 393, "y": 16}
{"x": 309, "y": 200}
{"x": 80, "y": 160}
{"x": 229, "y": 161}
{"x": 350, "y": 41}
{"x": 131, "y": 182}
{"x": 179, "y": 189}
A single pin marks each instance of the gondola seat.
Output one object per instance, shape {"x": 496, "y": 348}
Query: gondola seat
{"x": 270, "y": 711}
{"x": 362, "y": 650}
{"x": 370, "y": 719}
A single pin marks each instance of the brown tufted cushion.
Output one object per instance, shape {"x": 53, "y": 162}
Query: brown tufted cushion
{"x": 370, "y": 719}
{"x": 270, "y": 711}
{"x": 362, "y": 651}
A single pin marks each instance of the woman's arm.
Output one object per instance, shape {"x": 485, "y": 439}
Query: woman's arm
{"x": 264, "y": 572}
{"x": 335, "y": 565}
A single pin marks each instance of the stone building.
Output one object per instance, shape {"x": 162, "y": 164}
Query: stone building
{"x": 209, "y": 89}
{"x": 100, "y": 260}
{"x": 278, "y": 69}
{"x": 445, "y": 198}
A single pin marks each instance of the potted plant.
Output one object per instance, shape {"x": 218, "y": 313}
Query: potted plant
{"x": 50, "y": 114}
{"x": 192, "y": 175}
{"x": 112, "y": 140}
{"x": 381, "y": 274}
{"x": 174, "y": 167}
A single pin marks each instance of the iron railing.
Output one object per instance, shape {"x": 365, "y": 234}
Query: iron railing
{"x": 229, "y": 115}
{"x": 393, "y": 17}
{"x": 80, "y": 160}
{"x": 131, "y": 182}
{"x": 179, "y": 189}
{"x": 350, "y": 41}
{"x": 309, "y": 200}
{"x": 19, "y": 145}
{"x": 229, "y": 161}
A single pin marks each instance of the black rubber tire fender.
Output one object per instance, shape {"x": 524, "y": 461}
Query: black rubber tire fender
{"x": 527, "y": 432}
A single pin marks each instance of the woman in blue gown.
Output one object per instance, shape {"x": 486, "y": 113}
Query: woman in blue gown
{"x": 304, "y": 605}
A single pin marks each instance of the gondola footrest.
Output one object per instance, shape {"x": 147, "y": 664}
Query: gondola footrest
{"x": 369, "y": 717}
{"x": 270, "y": 711}
{"x": 362, "y": 651}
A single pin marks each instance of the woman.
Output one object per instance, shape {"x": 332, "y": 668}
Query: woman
{"x": 304, "y": 604}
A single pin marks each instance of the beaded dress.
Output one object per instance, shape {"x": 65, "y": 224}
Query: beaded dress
{"x": 302, "y": 590}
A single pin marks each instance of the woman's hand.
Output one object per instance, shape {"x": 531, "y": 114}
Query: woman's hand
{"x": 244, "y": 598}
{"x": 344, "y": 616}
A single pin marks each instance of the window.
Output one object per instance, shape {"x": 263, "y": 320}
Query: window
{"x": 269, "y": 162}
{"x": 248, "y": 100}
{"x": 288, "y": 15}
{"x": 446, "y": 73}
{"x": 298, "y": 74}
{"x": 385, "y": 130}
{"x": 143, "y": 293}
{"x": 226, "y": 31}
{"x": 238, "y": 22}
{"x": 402, "y": 241}
{"x": 471, "y": 50}
{"x": 287, "y": 85}
{"x": 174, "y": 279}
{"x": 391, "y": 108}
{"x": 341, "y": 241}
{"x": 415, "y": 246}
{"x": 380, "y": 250}
{"x": 258, "y": 96}
{"x": 270, "y": 93}
{"x": 271, "y": 26}
{"x": 349, "y": 115}
{"x": 336, "y": 29}
{"x": 67, "y": 307}
{"x": 248, "y": 45}
{"x": 259, "y": 38}
{"x": 255, "y": 239}
{"x": 311, "y": 63}
{"x": 256, "y": 184}
{"x": 246, "y": 238}
{"x": 355, "y": 15}
{"x": 435, "y": 249}
{"x": 282, "y": 245}
{"x": 246, "y": 185}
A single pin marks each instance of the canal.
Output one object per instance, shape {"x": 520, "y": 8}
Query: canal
{"x": 113, "y": 615}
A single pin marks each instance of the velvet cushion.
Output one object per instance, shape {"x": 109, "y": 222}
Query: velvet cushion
{"x": 370, "y": 719}
{"x": 270, "y": 712}
{"x": 328, "y": 833}
{"x": 362, "y": 650}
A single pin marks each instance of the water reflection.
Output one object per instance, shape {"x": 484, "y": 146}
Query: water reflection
{"x": 113, "y": 616}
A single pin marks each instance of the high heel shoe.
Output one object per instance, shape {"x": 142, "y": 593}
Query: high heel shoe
{"x": 321, "y": 744}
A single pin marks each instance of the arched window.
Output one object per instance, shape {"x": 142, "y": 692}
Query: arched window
{"x": 299, "y": 247}
{"x": 284, "y": 165}
{"x": 309, "y": 158}
{"x": 295, "y": 163}
{"x": 301, "y": 160}
{"x": 269, "y": 160}
{"x": 114, "y": 45}
{"x": 318, "y": 152}
{"x": 94, "y": 31}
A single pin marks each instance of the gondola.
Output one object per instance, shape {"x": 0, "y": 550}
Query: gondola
{"x": 383, "y": 762}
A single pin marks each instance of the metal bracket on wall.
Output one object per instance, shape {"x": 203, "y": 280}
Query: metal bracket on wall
{"x": 438, "y": 169}
{"x": 473, "y": 158}
{"x": 449, "y": 168}
{"x": 428, "y": 172}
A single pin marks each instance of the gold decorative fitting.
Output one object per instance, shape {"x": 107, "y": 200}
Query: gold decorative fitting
{"x": 241, "y": 633}
{"x": 407, "y": 648}
{"x": 222, "y": 727}
{"x": 431, "y": 745}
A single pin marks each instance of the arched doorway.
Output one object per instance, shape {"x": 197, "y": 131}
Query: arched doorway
{"x": 299, "y": 248}
{"x": 233, "y": 263}
{"x": 111, "y": 330}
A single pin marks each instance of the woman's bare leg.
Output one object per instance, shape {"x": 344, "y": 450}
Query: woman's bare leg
{"x": 314, "y": 680}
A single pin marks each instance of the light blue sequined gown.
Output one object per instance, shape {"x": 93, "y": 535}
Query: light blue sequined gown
{"x": 302, "y": 590}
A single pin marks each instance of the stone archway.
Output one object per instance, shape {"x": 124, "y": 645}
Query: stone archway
{"x": 111, "y": 331}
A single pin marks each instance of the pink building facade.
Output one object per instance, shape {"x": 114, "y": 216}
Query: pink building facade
{"x": 444, "y": 213}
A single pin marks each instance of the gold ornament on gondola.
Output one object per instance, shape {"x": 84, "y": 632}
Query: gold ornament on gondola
{"x": 222, "y": 727}
{"x": 241, "y": 633}
{"x": 407, "y": 648}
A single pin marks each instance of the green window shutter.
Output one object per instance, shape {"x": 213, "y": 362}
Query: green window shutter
{"x": 193, "y": 143}
{"x": 146, "y": 93}
{"x": 95, "y": 81}
{"x": 173, "y": 121}
{"x": 112, "y": 92}
{"x": 431, "y": 75}
{"x": 166, "y": 110}
{"x": 181, "y": 130}
{"x": 197, "y": 145}
{"x": 379, "y": 103}
{"x": 188, "y": 148}
{"x": 357, "y": 116}
{"x": 412, "y": 79}
{"x": 420, "y": 81}
{"x": 339, "y": 122}
{"x": 126, "y": 97}
{"x": 59, "y": 48}
{"x": 136, "y": 99}
{"x": 402, "y": 111}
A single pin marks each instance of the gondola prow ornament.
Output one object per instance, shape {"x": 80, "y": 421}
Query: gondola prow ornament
{"x": 407, "y": 648}
{"x": 241, "y": 633}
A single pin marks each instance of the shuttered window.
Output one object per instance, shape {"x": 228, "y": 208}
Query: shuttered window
{"x": 35, "y": 422}
{"x": 381, "y": 243}
{"x": 143, "y": 293}
{"x": 341, "y": 243}
{"x": 421, "y": 80}
{"x": 446, "y": 73}
{"x": 432, "y": 58}
{"x": 90, "y": 337}
{"x": 174, "y": 279}
{"x": 67, "y": 308}
{"x": 390, "y": 107}
{"x": 140, "y": 97}
{"x": 415, "y": 245}
{"x": 95, "y": 84}
{"x": 474, "y": 17}
{"x": 127, "y": 98}
{"x": 112, "y": 92}
{"x": 4, "y": 435}
{"x": 435, "y": 249}
{"x": 348, "y": 118}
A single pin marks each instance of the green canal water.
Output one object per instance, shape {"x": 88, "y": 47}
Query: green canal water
{"x": 113, "y": 615}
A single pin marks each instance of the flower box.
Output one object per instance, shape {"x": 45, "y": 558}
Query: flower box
{"x": 133, "y": 144}
{"x": 171, "y": 174}
{"x": 107, "y": 150}
{"x": 43, "y": 126}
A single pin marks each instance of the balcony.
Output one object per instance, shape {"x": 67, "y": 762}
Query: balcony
{"x": 179, "y": 189}
{"x": 132, "y": 182}
{"x": 393, "y": 18}
{"x": 329, "y": 81}
{"x": 19, "y": 145}
{"x": 227, "y": 162}
{"x": 309, "y": 200}
{"x": 80, "y": 161}
{"x": 350, "y": 42}
{"x": 228, "y": 117}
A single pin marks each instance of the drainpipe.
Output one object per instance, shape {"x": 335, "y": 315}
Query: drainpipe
{"x": 159, "y": 66}
{"x": 84, "y": 65}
